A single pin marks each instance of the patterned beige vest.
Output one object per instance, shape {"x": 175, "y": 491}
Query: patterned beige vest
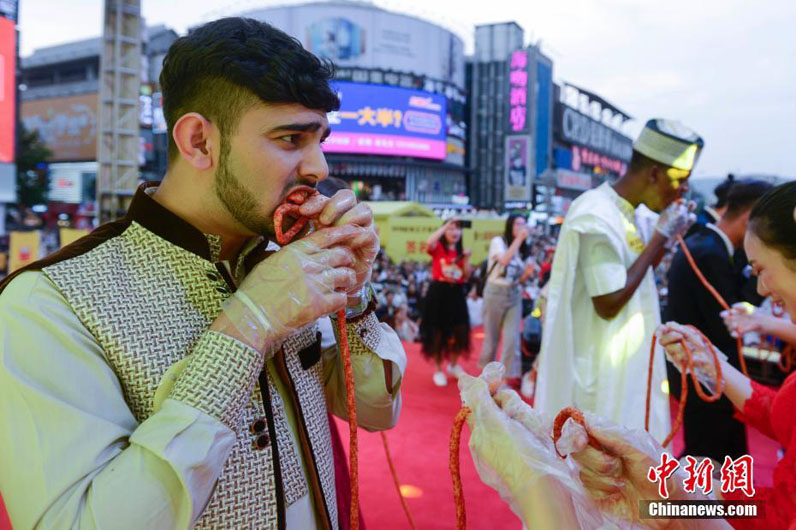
{"x": 146, "y": 301}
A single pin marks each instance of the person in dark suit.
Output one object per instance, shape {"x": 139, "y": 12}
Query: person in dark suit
{"x": 712, "y": 214}
{"x": 710, "y": 429}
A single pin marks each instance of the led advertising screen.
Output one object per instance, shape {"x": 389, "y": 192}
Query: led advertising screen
{"x": 8, "y": 54}
{"x": 385, "y": 120}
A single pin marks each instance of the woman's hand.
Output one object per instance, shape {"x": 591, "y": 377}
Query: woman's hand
{"x": 524, "y": 233}
{"x": 743, "y": 318}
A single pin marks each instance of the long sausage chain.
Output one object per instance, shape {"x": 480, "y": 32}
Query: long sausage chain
{"x": 292, "y": 204}
{"x": 712, "y": 290}
{"x": 453, "y": 466}
{"x": 577, "y": 416}
{"x": 684, "y": 371}
{"x": 689, "y": 367}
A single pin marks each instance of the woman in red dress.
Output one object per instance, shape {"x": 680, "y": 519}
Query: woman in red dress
{"x": 445, "y": 324}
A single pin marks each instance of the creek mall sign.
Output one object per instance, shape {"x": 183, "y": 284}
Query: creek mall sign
{"x": 579, "y": 129}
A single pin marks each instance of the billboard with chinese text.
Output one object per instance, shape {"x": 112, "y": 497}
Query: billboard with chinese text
{"x": 518, "y": 92}
{"x": 8, "y": 53}
{"x": 384, "y": 120}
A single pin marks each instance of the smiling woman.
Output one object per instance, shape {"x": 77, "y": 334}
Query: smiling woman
{"x": 771, "y": 246}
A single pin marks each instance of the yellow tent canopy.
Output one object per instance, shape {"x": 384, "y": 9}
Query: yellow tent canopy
{"x": 384, "y": 209}
{"x": 403, "y": 228}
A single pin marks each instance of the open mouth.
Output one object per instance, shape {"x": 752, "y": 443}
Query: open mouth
{"x": 289, "y": 220}
{"x": 289, "y": 225}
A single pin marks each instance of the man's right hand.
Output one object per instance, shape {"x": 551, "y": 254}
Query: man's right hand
{"x": 676, "y": 219}
{"x": 302, "y": 282}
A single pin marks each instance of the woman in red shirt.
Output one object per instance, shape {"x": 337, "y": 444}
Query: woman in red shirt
{"x": 445, "y": 323}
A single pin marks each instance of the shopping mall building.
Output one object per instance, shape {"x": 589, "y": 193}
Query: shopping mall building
{"x": 400, "y": 131}
{"x": 418, "y": 121}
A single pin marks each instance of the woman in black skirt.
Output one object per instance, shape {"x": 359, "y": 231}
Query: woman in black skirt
{"x": 445, "y": 324}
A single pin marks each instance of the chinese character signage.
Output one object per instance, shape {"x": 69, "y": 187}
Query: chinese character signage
{"x": 572, "y": 180}
{"x": 8, "y": 53}
{"x": 382, "y": 120}
{"x": 517, "y": 164}
{"x": 584, "y": 157}
{"x": 518, "y": 92}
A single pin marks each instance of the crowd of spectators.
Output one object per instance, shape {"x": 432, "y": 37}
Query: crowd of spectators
{"x": 401, "y": 287}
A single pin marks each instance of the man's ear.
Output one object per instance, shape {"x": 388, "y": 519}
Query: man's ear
{"x": 655, "y": 173}
{"x": 193, "y": 136}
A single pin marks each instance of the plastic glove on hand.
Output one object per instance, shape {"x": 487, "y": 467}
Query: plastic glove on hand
{"x": 676, "y": 219}
{"x": 513, "y": 453}
{"x": 343, "y": 209}
{"x": 294, "y": 287}
{"x": 616, "y": 476}
{"x": 671, "y": 336}
{"x": 741, "y": 318}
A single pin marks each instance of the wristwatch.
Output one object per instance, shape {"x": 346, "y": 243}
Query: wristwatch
{"x": 367, "y": 298}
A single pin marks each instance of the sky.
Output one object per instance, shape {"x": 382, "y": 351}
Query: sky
{"x": 725, "y": 68}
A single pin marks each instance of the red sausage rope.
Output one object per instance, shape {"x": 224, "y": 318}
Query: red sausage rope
{"x": 292, "y": 205}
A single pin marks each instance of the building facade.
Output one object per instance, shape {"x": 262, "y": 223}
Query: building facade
{"x": 401, "y": 131}
{"x": 510, "y": 117}
{"x": 589, "y": 144}
{"x": 60, "y": 100}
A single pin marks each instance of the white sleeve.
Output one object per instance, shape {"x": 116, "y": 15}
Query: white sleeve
{"x": 496, "y": 248}
{"x": 72, "y": 454}
{"x": 601, "y": 264}
{"x": 371, "y": 343}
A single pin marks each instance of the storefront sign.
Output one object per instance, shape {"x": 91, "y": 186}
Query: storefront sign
{"x": 576, "y": 128}
{"x": 23, "y": 249}
{"x": 584, "y": 157}
{"x": 572, "y": 180}
{"x": 518, "y": 91}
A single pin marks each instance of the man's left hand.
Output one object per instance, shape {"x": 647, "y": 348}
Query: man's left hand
{"x": 342, "y": 209}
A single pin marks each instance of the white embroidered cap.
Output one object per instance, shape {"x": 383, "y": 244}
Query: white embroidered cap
{"x": 671, "y": 143}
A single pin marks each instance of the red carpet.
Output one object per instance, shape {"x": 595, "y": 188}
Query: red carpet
{"x": 419, "y": 446}
{"x": 4, "y": 522}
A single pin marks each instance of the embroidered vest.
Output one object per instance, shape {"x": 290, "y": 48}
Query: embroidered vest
{"x": 146, "y": 301}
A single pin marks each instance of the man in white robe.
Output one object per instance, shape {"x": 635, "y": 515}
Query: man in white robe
{"x": 602, "y": 306}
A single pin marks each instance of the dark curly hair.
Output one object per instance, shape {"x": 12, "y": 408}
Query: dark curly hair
{"x": 230, "y": 65}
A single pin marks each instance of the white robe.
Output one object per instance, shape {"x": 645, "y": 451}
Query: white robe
{"x": 585, "y": 361}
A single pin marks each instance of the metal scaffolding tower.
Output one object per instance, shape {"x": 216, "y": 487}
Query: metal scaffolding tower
{"x": 120, "y": 81}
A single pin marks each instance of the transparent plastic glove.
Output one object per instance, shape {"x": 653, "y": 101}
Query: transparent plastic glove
{"x": 742, "y": 318}
{"x": 676, "y": 219}
{"x": 669, "y": 336}
{"x": 616, "y": 476}
{"x": 302, "y": 282}
{"x": 541, "y": 488}
{"x": 343, "y": 209}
